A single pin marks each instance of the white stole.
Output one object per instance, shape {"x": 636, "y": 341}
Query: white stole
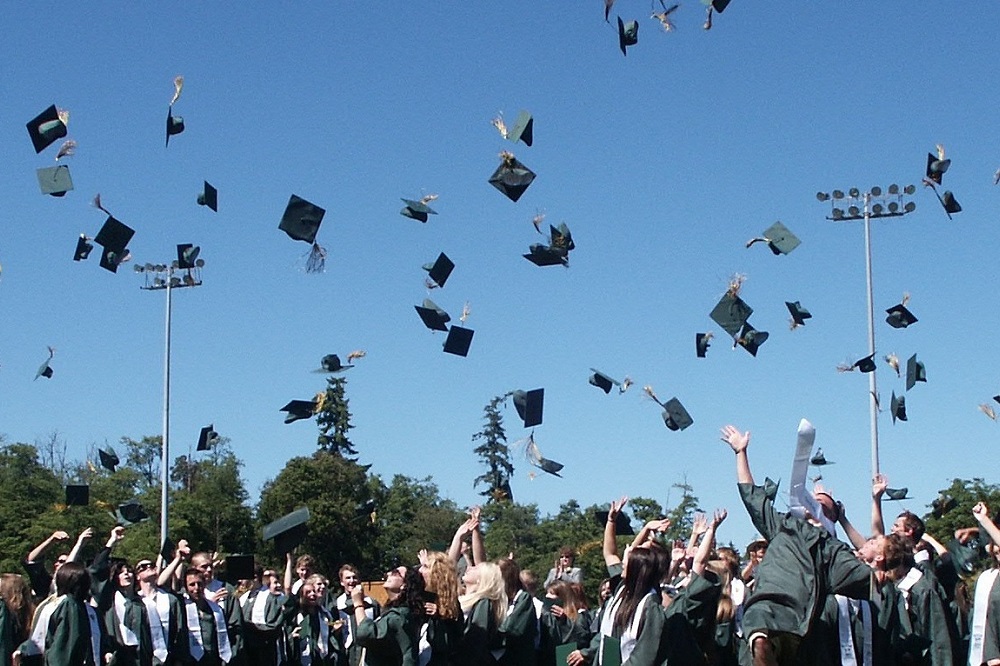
{"x": 158, "y": 616}
{"x": 847, "y": 656}
{"x": 95, "y": 634}
{"x": 258, "y": 609}
{"x": 323, "y": 640}
{"x": 800, "y": 499}
{"x": 630, "y": 636}
{"x": 128, "y": 636}
{"x": 912, "y": 576}
{"x": 36, "y": 642}
{"x": 424, "y": 647}
{"x": 196, "y": 642}
{"x": 981, "y": 603}
{"x": 348, "y": 618}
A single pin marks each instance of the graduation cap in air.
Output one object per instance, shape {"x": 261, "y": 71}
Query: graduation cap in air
{"x": 965, "y": 556}
{"x": 623, "y": 525}
{"x": 55, "y": 180}
{"x": 77, "y": 495}
{"x": 628, "y": 35}
{"x": 701, "y": 343}
{"x": 289, "y": 530}
{"x": 418, "y": 210}
{"x": 109, "y": 459}
{"x": 239, "y": 567}
{"x": 897, "y": 407}
{"x": 167, "y": 549}
{"x": 46, "y": 128}
{"x": 545, "y": 255}
{"x": 865, "y": 365}
{"x": 512, "y": 178}
{"x": 549, "y": 466}
{"x": 799, "y": 313}
{"x": 713, "y": 6}
{"x": 209, "y": 197}
{"x": 175, "y": 124}
{"x": 731, "y": 313}
{"x": 529, "y": 406}
{"x": 45, "y": 370}
{"x": 301, "y": 221}
{"x": 83, "y": 248}
{"x": 207, "y": 437}
{"x": 899, "y": 316}
{"x": 897, "y": 494}
{"x": 187, "y": 255}
{"x": 433, "y": 317}
{"x": 942, "y": 504}
{"x": 751, "y": 339}
{"x": 819, "y": 459}
{"x": 440, "y": 270}
{"x": 778, "y": 238}
{"x": 331, "y": 363}
{"x": 915, "y": 372}
{"x": 937, "y": 165}
{"x": 114, "y": 238}
{"x": 675, "y": 417}
{"x": 299, "y": 409}
{"x": 535, "y": 457}
{"x": 602, "y": 381}
{"x": 458, "y": 341}
{"x": 947, "y": 200}
{"x": 522, "y": 129}
{"x": 129, "y": 513}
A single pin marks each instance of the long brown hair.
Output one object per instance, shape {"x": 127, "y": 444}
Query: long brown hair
{"x": 442, "y": 580}
{"x": 17, "y": 596}
{"x": 643, "y": 573}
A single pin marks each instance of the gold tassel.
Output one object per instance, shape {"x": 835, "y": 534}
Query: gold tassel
{"x": 893, "y": 362}
{"x": 357, "y": 353}
{"x": 500, "y": 124}
{"x": 68, "y": 149}
{"x": 178, "y": 86}
{"x": 986, "y": 409}
{"x": 466, "y": 311}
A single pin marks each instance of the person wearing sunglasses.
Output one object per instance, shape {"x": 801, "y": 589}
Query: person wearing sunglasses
{"x": 164, "y": 612}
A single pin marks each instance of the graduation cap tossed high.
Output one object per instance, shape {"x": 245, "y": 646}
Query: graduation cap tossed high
{"x": 521, "y": 130}
{"x": 942, "y": 504}
{"x": 207, "y": 437}
{"x": 628, "y": 35}
{"x": 915, "y": 372}
{"x": 175, "y": 124}
{"x": 289, "y": 530}
{"x": 535, "y": 457}
{"x": 558, "y": 249}
{"x": 114, "y": 238}
{"x": 818, "y": 460}
{"x": 83, "y": 248}
{"x": 331, "y": 362}
{"x": 130, "y": 513}
{"x": 675, "y": 416}
{"x": 897, "y": 494}
{"x": 209, "y": 197}
{"x": 865, "y": 365}
{"x": 751, "y": 339}
{"x": 732, "y": 312}
{"x": 623, "y": 525}
{"x": 433, "y": 317}
{"x": 605, "y": 382}
{"x": 109, "y": 459}
{"x": 966, "y": 556}
{"x": 47, "y": 127}
{"x": 778, "y": 238}
{"x": 937, "y": 165}
{"x": 512, "y": 178}
{"x": 301, "y": 221}
{"x": 701, "y": 343}
{"x": 439, "y": 271}
{"x": 238, "y": 567}
{"x": 529, "y": 406}
{"x": 664, "y": 16}
{"x": 713, "y": 6}
{"x": 187, "y": 256}
{"x": 77, "y": 495}
{"x": 947, "y": 200}
{"x": 899, "y": 316}
{"x": 799, "y": 314}
{"x": 45, "y": 369}
{"x": 300, "y": 409}
{"x": 897, "y": 407}
{"x": 55, "y": 180}
{"x": 418, "y": 210}
{"x": 459, "y": 338}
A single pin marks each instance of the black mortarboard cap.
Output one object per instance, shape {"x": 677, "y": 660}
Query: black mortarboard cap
{"x": 799, "y": 313}
{"x": 701, "y": 344}
{"x": 628, "y": 34}
{"x": 331, "y": 363}
{"x": 866, "y": 364}
{"x": 55, "y": 180}
{"x": 780, "y": 239}
{"x": 77, "y": 495}
{"x": 896, "y": 494}
{"x": 433, "y": 317}
{"x": 602, "y": 381}
{"x": 511, "y": 177}
{"x": 167, "y": 550}
{"x": 288, "y": 531}
{"x": 751, "y": 339}
{"x": 175, "y": 124}
{"x": 522, "y": 128}
{"x": 550, "y": 466}
{"x": 675, "y": 417}
{"x": 207, "y": 437}
{"x": 964, "y": 555}
{"x": 130, "y": 513}
{"x": 819, "y": 459}
{"x": 440, "y": 270}
{"x": 416, "y": 210}
{"x": 111, "y": 259}
{"x": 950, "y": 204}
{"x": 529, "y": 406}
{"x": 623, "y": 525}
{"x": 239, "y": 567}
{"x": 720, "y": 5}
{"x": 299, "y": 409}
{"x": 114, "y": 235}
{"x": 545, "y": 255}
{"x": 187, "y": 254}
{"x": 561, "y": 238}
{"x": 45, "y": 128}
{"x": 109, "y": 459}
{"x": 45, "y": 370}
{"x": 731, "y": 313}
{"x": 301, "y": 219}
{"x": 209, "y": 197}
{"x": 942, "y": 504}
{"x": 936, "y": 167}
{"x": 458, "y": 341}
{"x": 83, "y": 248}
{"x": 897, "y": 407}
{"x": 915, "y": 372}
{"x": 899, "y": 316}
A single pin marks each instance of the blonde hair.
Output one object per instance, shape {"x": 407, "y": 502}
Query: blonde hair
{"x": 442, "y": 580}
{"x": 724, "y": 610}
{"x": 491, "y": 586}
{"x": 16, "y": 594}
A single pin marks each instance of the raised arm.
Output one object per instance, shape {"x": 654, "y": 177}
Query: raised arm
{"x": 879, "y": 484}
{"x": 180, "y": 552}
{"x": 982, "y": 515}
{"x": 856, "y": 538}
{"x": 478, "y": 548}
{"x": 707, "y": 542}
{"x": 289, "y": 565}
{"x": 610, "y": 546}
{"x": 648, "y": 530}
{"x": 738, "y": 442}
{"x": 40, "y": 549}
{"x": 85, "y": 535}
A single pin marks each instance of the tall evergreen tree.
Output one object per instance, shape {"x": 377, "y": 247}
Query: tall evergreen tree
{"x": 494, "y": 454}
{"x": 334, "y": 419}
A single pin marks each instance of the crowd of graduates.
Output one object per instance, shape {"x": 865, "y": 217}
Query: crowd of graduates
{"x": 801, "y": 596}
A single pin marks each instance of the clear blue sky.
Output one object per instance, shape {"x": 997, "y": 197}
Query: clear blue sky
{"x": 663, "y": 164}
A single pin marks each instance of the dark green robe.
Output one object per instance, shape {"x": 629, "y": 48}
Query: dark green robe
{"x": 821, "y": 646}
{"x": 558, "y": 631}
{"x": 310, "y": 634}
{"x": 177, "y": 636}
{"x": 9, "y": 638}
{"x": 136, "y": 619}
{"x": 345, "y": 606}
{"x": 234, "y": 619}
{"x": 481, "y": 636}
{"x": 261, "y": 641}
{"x": 519, "y": 631}
{"x": 925, "y": 627}
{"x": 991, "y": 637}
{"x": 445, "y": 638}
{"x": 68, "y": 642}
{"x": 392, "y": 639}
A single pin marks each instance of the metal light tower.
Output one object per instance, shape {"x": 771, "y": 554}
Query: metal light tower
{"x": 856, "y": 205}
{"x": 161, "y": 276}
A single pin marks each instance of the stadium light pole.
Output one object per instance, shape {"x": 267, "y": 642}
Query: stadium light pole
{"x": 162, "y": 277}
{"x": 869, "y": 205}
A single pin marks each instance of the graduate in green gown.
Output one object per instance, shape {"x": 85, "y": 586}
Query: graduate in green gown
{"x": 262, "y": 621}
{"x": 165, "y": 612}
{"x": 16, "y": 609}
{"x": 392, "y": 639}
{"x": 484, "y": 605}
{"x": 225, "y": 595}
{"x": 519, "y": 629}
{"x": 74, "y": 636}
{"x": 312, "y": 636}
{"x": 209, "y": 642}
{"x": 126, "y": 622}
{"x": 442, "y": 634}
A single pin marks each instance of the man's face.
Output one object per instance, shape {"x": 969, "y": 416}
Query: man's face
{"x": 899, "y": 527}
{"x": 195, "y": 586}
{"x": 275, "y": 586}
{"x": 348, "y": 579}
{"x": 871, "y": 551}
{"x": 204, "y": 567}
{"x": 304, "y": 572}
{"x": 145, "y": 571}
{"x": 60, "y": 560}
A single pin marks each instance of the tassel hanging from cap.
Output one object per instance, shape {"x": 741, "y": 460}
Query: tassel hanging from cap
{"x": 316, "y": 263}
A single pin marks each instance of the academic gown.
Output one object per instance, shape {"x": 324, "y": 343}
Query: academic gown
{"x": 39, "y": 579}
{"x": 176, "y": 628}
{"x": 558, "y": 631}
{"x": 392, "y": 639}
{"x": 135, "y": 619}
{"x": 310, "y": 635}
{"x": 654, "y": 641}
{"x": 68, "y": 641}
{"x": 9, "y": 639}
{"x": 445, "y": 638}
{"x": 481, "y": 638}
{"x": 689, "y": 632}
{"x": 261, "y": 640}
{"x": 821, "y": 646}
{"x": 991, "y": 637}
{"x": 519, "y": 631}
{"x": 209, "y": 637}
{"x": 926, "y": 631}
{"x": 349, "y": 631}
{"x": 234, "y": 619}
{"x": 804, "y": 564}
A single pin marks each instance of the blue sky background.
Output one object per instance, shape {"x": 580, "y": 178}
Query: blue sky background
{"x": 662, "y": 163}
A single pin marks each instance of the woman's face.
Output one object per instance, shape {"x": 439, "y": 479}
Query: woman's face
{"x": 566, "y": 561}
{"x": 394, "y": 579}
{"x": 605, "y": 590}
{"x": 125, "y": 577}
{"x": 471, "y": 577}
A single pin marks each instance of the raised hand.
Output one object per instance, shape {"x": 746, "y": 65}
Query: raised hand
{"x": 738, "y": 441}
{"x": 718, "y": 517}
{"x": 879, "y": 484}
